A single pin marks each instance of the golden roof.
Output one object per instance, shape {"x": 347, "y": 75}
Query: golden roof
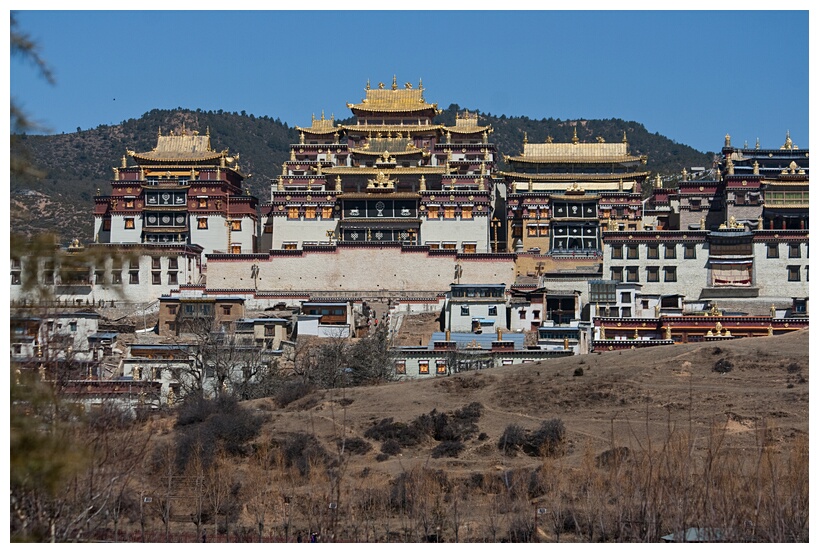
{"x": 391, "y": 128}
{"x": 393, "y": 99}
{"x": 467, "y": 124}
{"x": 320, "y": 126}
{"x": 179, "y": 147}
{"x": 555, "y": 152}
{"x": 568, "y": 177}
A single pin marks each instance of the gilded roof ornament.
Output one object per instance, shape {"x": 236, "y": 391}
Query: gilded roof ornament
{"x": 727, "y": 140}
{"x": 757, "y": 142}
{"x": 575, "y": 140}
{"x": 658, "y": 182}
{"x": 422, "y": 184}
{"x": 730, "y": 166}
{"x": 368, "y": 85}
{"x": 525, "y": 137}
{"x": 788, "y": 145}
{"x": 600, "y": 139}
{"x": 549, "y": 139}
{"x": 625, "y": 140}
{"x": 381, "y": 86}
{"x": 123, "y": 162}
{"x": 338, "y": 183}
{"x": 756, "y": 167}
{"x": 394, "y": 83}
{"x": 685, "y": 174}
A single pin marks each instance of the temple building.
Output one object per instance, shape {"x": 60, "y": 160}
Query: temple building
{"x": 393, "y": 176}
{"x": 180, "y": 193}
{"x": 560, "y": 195}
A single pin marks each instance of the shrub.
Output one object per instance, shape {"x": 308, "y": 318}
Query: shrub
{"x": 547, "y": 439}
{"x": 391, "y": 447}
{"x": 794, "y": 368}
{"x": 291, "y": 391}
{"x": 578, "y": 371}
{"x": 512, "y": 439}
{"x": 355, "y": 445}
{"x": 447, "y": 449}
{"x": 723, "y": 366}
{"x": 302, "y": 451}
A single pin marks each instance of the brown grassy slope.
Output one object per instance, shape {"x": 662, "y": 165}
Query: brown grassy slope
{"x": 638, "y": 394}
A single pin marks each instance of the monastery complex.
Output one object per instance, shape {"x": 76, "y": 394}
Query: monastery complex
{"x": 558, "y": 239}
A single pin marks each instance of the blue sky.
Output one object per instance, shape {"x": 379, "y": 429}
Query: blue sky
{"x": 692, "y": 76}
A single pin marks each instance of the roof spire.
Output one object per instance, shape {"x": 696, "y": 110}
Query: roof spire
{"x": 525, "y": 137}
{"x": 420, "y": 84}
{"x": 757, "y": 142}
{"x": 322, "y": 115}
{"x": 575, "y": 140}
{"x": 727, "y": 140}
{"x": 625, "y": 140}
{"x": 368, "y": 85}
{"x": 394, "y": 83}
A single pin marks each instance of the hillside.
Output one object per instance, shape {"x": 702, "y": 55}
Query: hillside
{"x": 76, "y": 165}
{"x": 653, "y": 441}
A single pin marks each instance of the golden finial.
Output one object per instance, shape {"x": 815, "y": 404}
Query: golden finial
{"x": 525, "y": 137}
{"x": 575, "y": 140}
{"x": 292, "y": 154}
{"x": 301, "y": 136}
{"x": 756, "y": 167}
{"x": 322, "y": 115}
{"x": 788, "y": 142}
{"x": 730, "y": 166}
{"x": 531, "y": 185}
{"x": 602, "y": 332}
{"x": 381, "y": 86}
{"x": 420, "y": 85}
{"x": 124, "y": 163}
{"x": 422, "y": 185}
{"x": 368, "y": 85}
{"x": 658, "y": 181}
{"x": 549, "y": 139}
{"x": 620, "y": 185}
{"x": 207, "y": 131}
{"x": 625, "y": 140}
{"x": 394, "y": 83}
{"x": 702, "y": 223}
{"x": 338, "y": 183}
{"x": 727, "y": 140}
{"x": 684, "y": 174}
{"x": 159, "y": 132}
{"x": 773, "y": 311}
{"x": 757, "y": 142}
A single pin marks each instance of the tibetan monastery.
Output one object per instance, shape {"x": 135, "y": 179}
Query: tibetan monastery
{"x": 393, "y": 176}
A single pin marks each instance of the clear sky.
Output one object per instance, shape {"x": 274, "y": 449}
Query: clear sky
{"x": 692, "y": 76}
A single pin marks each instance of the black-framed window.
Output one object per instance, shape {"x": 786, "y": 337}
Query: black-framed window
{"x": 690, "y": 251}
{"x": 632, "y": 274}
{"x": 670, "y": 274}
{"x": 633, "y": 251}
{"x": 773, "y": 250}
{"x": 617, "y": 252}
{"x": 671, "y": 251}
{"x": 794, "y": 251}
{"x": 652, "y": 274}
{"x": 617, "y": 273}
{"x": 794, "y": 273}
{"x": 652, "y": 251}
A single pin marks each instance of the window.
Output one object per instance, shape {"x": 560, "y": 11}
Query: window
{"x": 690, "y": 251}
{"x": 543, "y": 230}
{"x": 156, "y": 263}
{"x": 116, "y": 277}
{"x": 289, "y": 245}
{"x": 470, "y": 247}
{"x": 449, "y": 245}
{"x": 133, "y": 277}
{"x": 773, "y": 250}
{"x": 423, "y": 367}
{"x": 433, "y": 245}
{"x": 129, "y": 222}
{"x": 72, "y": 326}
{"x": 671, "y": 251}
{"x": 652, "y": 274}
{"x": 670, "y": 274}
{"x": 793, "y": 273}
{"x": 625, "y": 297}
{"x": 15, "y": 278}
{"x": 493, "y": 310}
{"x": 522, "y": 313}
{"x": 432, "y": 212}
{"x": 235, "y": 248}
{"x": 536, "y": 314}
{"x": 173, "y": 278}
{"x": 156, "y": 277}
{"x": 327, "y": 212}
{"x": 617, "y": 252}
{"x": 633, "y": 251}
{"x": 794, "y": 251}
{"x": 653, "y": 251}
{"x": 617, "y": 273}
{"x": 99, "y": 277}
{"x": 203, "y": 203}
{"x": 531, "y": 230}
{"x": 292, "y": 212}
{"x": 449, "y": 212}
{"x": 172, "y": 310}
{"x": 401, "y": 367}
{"x": 202, "y": 222}
{"x": 106, "y": 224}
{"x": 18, "y": 349}
{"x": 237, "y": 224}
{"x": 464, "y": 310}
{"x": 632, "y": 275}
{"x": 440, "y": 366}
{"x": 226, "y": 309}
{"x": 625, "y": 312}
{"x": 268, "y": 228}
{"x": 173, "y": 263}
{"x": 466, "y": 212}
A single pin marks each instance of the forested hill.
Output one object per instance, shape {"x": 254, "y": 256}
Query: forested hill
{"x": 75, "y": 165}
